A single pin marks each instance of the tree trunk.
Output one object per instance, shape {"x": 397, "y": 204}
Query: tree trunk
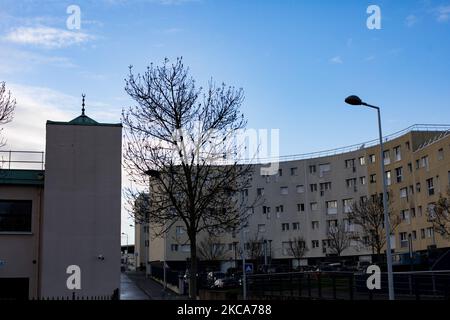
{"x": 194, "y": 267}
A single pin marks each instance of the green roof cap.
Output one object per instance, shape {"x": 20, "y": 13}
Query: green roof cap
{"x": 22, "y": 177}
{"x": 83, "y": 119}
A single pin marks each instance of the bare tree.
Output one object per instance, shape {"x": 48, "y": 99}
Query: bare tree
{"x": 183, "y": 138}
{"x": 338, "y": 239}
{"x": 369, "y": 215}
{"x": 7, "y": 105}
{"x": 298, "y": 248}
{"x": 211, "y": 248}
{"x": 439, "y": 215}
{"x": 254, "y": 247}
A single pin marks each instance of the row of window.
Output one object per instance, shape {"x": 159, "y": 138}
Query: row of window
{"x": 425, "y": 233}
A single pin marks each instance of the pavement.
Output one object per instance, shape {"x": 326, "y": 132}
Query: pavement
{"x": 129, "y": 290}
{"x": 136, "y": 286}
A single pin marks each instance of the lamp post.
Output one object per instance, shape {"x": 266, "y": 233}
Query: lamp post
{"x": 356, "y": 101}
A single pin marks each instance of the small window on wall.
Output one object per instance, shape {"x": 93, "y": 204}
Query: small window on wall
{"x": 15, "y": 215}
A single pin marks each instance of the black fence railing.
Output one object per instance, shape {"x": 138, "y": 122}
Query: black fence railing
{"x": 348, "y": 286}
{"x": 172, "y": 277}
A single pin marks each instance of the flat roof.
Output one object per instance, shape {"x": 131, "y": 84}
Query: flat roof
{"x": 22, "y": 177}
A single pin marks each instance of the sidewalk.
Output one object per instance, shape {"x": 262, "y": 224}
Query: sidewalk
{"x": 129, "y": 290}
{"x": 151, "y": 288}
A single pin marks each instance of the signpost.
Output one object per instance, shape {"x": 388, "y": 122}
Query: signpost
{"x": 249, "y": 268}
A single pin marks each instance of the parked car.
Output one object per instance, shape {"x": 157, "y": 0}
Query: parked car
{"x": 227, "y": 283}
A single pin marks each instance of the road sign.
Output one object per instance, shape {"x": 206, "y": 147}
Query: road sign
{"x": 249, "y": 268}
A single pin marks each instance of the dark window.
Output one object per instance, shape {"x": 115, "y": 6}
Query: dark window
{"x": 15, "y": 215}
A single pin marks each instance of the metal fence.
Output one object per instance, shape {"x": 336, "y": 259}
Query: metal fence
{"x": 348, "y": 286}
{"x": 32, "y": 160}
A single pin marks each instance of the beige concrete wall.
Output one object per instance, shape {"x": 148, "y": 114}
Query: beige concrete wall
{"x": 20, "y": 251}
{"x": 81, "y": 218}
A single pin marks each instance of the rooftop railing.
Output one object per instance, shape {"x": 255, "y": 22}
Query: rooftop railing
{"x": 22, "y": 160}
{"x": 360, "y": 146}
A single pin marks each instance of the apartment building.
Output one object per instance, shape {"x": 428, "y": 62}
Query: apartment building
{"x": 311, "y": 193}
{"x": 62, "y": 210}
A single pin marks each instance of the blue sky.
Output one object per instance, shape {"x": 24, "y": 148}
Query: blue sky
{"x": 296, "y": 60}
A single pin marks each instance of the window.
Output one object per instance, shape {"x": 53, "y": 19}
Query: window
{"x": 429, "y": 232}
{"x": 424, "y": 162}
{"x": 399, "y": 174}
{"x": 230, "y": 246}
{"x": 347, "y": 203}
{"x": 430, "y": 185}
{"x": 362, "y": 161}
{"x": 300, "y": 207}
{"x": 261, "y": 228}
{"x": 349, "y": 226}
{"x": 15, "y": 215}
{"x": 244, "y": 193}
{"x": 315, "y": 243}
{"x": 411, "y": 189}
{"x": 266, "y": 209}
{"x": 332, "y": 224}
{"x": 294, "y": 171}
{"x": 417, "y": 164}
{"x": 286, "y": 248}
{"x": 315, "y": 225}
{"x": 403, "y": 192}
{"x": 419, "y": 211}
{"x": 300, "y": 189}
{"x": 323, "y": 168}
{"x": 373, "y": 178}
{"x": 186, "y": 248}
{"x": 410, "y": 168}
{"x": 314, "y": 206}
{"x": 414, "y": 235}
{"x": 404, "y": 214}
{"x": 441, "y": 154}
{"x": 312, "y": 169}
{"x": 325, "y": 186}
{"x": 313, "y": 187}
{"x": 260, "y": 191}
{"x": 331, "y": 207}
{"x": 285, "y": 226}
{"x": 363, "y": 180}
{"x": 408, "y": 145}
{"x": 422, "y": 233}
{"x": 413, "y": 212}
{"x": 350, "y": 163}
{"x": 146, "y": 243}
{"x": 284, "y": 190}
{"x": 351, "y": 183}
{"x": 418, "y": 187}
{"x": 280, "y": 172}
{"x": 279, "y": 208}
{"x": 174, "y": 247}
{"x": 179, "y": 230}
{"x": 372, "y": 158}
{"x": 388, "y": 178}
{"x": 386, "y": 157}
{"x": 397, "y": 153}
{"x": 296, "y": 226}
{"x": 403, "y": 239}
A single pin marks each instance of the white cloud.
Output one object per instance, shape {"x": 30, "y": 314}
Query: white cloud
{"x": 47, "y": 37}
{"x": 442, "y": 13}
{"x": 336, "y": 60}
{"x": 411, "y": 20}
{"x": 35, "y": 105}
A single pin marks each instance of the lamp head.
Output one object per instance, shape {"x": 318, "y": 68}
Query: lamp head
{"x": 354, "y": 101}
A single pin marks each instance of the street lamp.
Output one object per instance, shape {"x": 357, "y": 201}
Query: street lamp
{"x": 356, "y": 101}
